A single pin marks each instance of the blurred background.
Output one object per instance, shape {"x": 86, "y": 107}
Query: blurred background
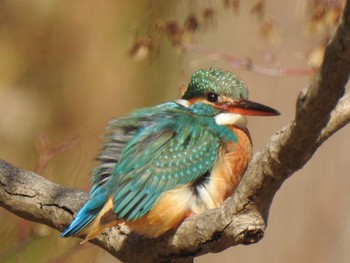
{"x": 68, "y": 67}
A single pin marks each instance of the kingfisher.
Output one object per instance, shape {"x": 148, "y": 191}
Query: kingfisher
{"x": 162, "y": 164}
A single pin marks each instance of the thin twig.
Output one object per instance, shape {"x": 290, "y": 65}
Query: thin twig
{"x": 247, "y": 64}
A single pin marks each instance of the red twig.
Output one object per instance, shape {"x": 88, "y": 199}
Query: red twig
{"x": 47, "y": 152}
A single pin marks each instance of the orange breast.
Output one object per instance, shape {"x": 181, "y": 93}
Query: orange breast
{"x": 231, "y": 166}
{"x": 237, "y": 158}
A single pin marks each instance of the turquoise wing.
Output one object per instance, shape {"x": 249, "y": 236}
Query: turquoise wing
{"x": 165, "y": 147}
{"x": 160, "y": 158}
{"x": 119, "y": 133}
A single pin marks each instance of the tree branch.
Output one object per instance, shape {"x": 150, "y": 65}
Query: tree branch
{"x": 243, "y": 218}
{"x": 339, "y": 118}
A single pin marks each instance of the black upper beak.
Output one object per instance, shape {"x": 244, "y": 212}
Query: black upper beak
{"x": 247, "y": 107}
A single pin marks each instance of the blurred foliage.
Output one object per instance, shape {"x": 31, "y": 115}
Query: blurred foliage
{"x": 67, "y": 67}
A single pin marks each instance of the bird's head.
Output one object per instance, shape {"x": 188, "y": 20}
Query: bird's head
{"x": 221, "y": 94}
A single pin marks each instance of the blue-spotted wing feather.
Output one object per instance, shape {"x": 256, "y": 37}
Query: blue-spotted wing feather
{"x": 120, "y": 132}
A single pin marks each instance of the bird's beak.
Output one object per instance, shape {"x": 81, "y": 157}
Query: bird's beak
{"x": 247, "y": 107}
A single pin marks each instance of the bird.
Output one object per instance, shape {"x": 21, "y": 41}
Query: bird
{"x": 163, "y": 164}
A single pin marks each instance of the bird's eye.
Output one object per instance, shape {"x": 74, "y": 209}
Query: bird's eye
{"x": 212, "y": 97}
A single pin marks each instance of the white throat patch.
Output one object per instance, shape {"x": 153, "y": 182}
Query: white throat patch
{"x": 182, "y": 102}
{"x": 231, "y": 119}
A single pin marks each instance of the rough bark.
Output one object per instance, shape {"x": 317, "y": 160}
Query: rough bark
{"x": 243, "y": 217}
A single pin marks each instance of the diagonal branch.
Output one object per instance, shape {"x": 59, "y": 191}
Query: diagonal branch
{"x": 243, "y": 218}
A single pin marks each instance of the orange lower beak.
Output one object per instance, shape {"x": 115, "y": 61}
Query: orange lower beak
{"x": 247, "y": 107}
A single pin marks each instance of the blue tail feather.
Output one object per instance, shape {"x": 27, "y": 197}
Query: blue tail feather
{"x": 86, "y": 215}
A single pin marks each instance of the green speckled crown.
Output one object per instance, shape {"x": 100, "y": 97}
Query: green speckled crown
{"x": 215, "y": 80}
